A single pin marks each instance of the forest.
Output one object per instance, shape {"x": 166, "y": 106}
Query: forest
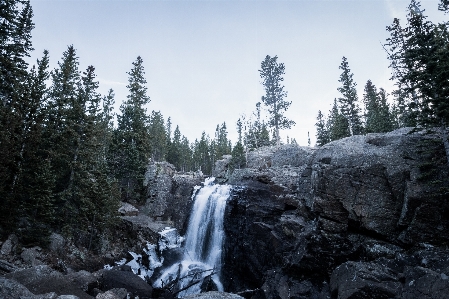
{"x": 67, "y": 160}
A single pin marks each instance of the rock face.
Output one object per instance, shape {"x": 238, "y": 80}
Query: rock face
{"x": 169, "y": 193}
{"x": 362, "y": 217}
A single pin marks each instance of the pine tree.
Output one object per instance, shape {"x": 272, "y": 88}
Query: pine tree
{"x": 348, "y": 102}
{"x": 186, "y": 160}
{"x": 322, "y": 133}
{"x": 257, "y": 134}
{"x": 221, "y": 142}
{"x": 174, "y": 152}
{"x": 238, "y": 159}
{"x": 132, "y": 146}
{"x": 202, "y": 154}
{"x": 338, "y": 125}
{"x": 378, "y": 118}
{"x": 272, "y": 74}
{"x": 15, "y": 45}
{"x": 35, "y": 183}
{"x": 419, "y": 57}
{"x": 158, "y": 136}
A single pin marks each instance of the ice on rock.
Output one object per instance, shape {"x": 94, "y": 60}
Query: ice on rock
{"x": 169, "y": 238}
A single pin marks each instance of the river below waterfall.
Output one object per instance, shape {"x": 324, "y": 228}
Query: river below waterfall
{"x": 203, "y": 242}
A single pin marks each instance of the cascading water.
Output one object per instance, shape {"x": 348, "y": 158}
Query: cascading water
{"x": 203, "y": 242}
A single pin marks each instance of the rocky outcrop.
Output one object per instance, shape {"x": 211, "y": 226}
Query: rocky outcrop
{"x": 350, "y": 219}
{"x": 169, "y": 194}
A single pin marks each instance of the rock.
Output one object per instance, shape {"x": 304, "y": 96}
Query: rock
{"x": 9, "y": 246}
{"x": 57, "y": 243}
{"x": 6, "y": 267}
{"x": 221, "y": 167}
{"x": 42, "y": 279}
{"x": 425, "y": 283}
{"x": 11, "y": 289}
{"x": 121, "y": 293}
{"x": 214, "y": 295}
{"x": 68, "y": 297}
{"x": 123, "y": 279}
{"x": 108, "y": 295}
{"x": 31, "y": 256}
{"x": 86, "y": 281}
{"x": 51, "y": 295}
{"x": 169, "y": 194}
{"x": 141, "y": 228}
{"x": 127, "y": 209}
{"x": 364, "y": 280}
{"x": 357, "y": 212}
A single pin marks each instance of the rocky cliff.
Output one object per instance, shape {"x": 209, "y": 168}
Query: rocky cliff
{"x": 362, "y": 217}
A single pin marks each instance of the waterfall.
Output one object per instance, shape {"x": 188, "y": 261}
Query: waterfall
{"x": 203, "y": 240}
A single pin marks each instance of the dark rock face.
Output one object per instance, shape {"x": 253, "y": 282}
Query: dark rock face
{"x": 355, "y": 218}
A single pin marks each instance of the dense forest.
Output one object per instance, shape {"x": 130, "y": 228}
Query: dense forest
{"x": 67, "y": 159}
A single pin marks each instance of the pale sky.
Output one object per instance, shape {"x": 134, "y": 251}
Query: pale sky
{"x": 202, "y": 58}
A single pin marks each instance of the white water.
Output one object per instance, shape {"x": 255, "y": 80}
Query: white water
{"x": 203, "y": 241}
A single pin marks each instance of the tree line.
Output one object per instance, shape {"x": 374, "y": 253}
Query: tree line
{"x": 419, "y": 61}
{"x": 68, "y": 160}
{"x": 65, "y": 165}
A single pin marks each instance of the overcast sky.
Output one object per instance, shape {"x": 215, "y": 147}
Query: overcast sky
{"x": 202, "y": 58}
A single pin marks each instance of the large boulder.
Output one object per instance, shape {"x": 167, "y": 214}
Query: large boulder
{"x": 10, "y": 245}
{"x": 113, "y": 279}
{"x": 127, "y": 209}
{"x": 11, "y": 289}
{"x": 42, "y": 279}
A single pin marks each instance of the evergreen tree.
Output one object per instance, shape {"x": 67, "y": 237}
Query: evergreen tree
{"x": 238, "y": 159}
{"x": 202, "y": 154}
{"x": 378, "y": 117}
{"x": 186, "y": 163}
{"x": 221, "y": 142}
{"x": 158, "y": 136}
{"x": 257, "y": 134}
{"x": 419, "y": 56}
{"x": 107, "y": 124}
{"x": 322, "y": 133}
{"x": 348, "y": 102}
{"x": 174, "y": 152}
{"x": 272, "y": 74}
{"x": 338, "y": 125}
{"x": 385, "y": 112}
{"x": 35, "y": 182}
{"x": 132, "y": 146}
{"x": 15, "y": 45}
{"x": 62, "y": 130}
